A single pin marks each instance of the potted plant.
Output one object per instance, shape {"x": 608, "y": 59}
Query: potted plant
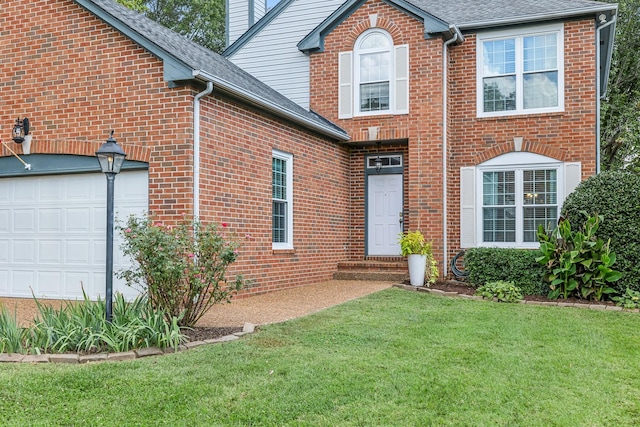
{"x": 417, "y": 250}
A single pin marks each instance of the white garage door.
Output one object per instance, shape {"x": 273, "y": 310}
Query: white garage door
{"x": 53, "y": 233}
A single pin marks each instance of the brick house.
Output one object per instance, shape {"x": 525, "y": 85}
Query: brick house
{"x": 483, "y": 116}
{"x": 201, "y": 136}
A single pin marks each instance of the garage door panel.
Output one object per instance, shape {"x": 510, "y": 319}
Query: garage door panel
{"x": 50, "y": 220}
{"x": 24, "y": 220}
{"x": 23, "y": 251}
{"x": 6, "y": 191}
{"x": 5, "y": 220}
{"x": 49, "y": 284}
{"x": 78, "y": 220}
{"x": 4, "y": 251}
{"x": 25, "y": 191}
{"x": 50, "y": 252}
{"x": 21, "y": 283}
{"x": 81, "y": 190}
{"x": 77, "y": 252}
{"x": 75, "y": 281}
{"x": 4, "y": 282}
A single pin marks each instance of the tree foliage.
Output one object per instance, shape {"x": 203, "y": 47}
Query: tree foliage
{"x": 620, "y": 121}
{"x": 202, "y": 21}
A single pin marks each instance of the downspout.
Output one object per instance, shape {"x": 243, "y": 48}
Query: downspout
{"x": 599, "y": 95}
{"x": 196, "y": 148}
{"x": 457, "y": 36}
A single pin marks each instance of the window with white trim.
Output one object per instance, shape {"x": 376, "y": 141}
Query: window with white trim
{"x": 503, "y": 200}
{"x": 520, "y": 72}
{"x": 282, "y": 200}
{"x": 373, "y": 78}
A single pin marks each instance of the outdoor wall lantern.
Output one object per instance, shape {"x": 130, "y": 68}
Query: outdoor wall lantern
{"x": 111, "y": 157}
{"x": 20, "y": 134}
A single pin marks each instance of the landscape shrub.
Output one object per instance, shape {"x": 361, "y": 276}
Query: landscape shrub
{"x": 10, "y": 332}
{"x": 181, "y": 268}
{"x": 519, "y": 266}
{"x": 502, "y": 291}
{"x": 81, "y": 327}
{"x": 578, "y": 263}
{"x": 616, "y": 197}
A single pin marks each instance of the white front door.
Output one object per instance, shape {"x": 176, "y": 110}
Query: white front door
{"x": 384, "y": 214}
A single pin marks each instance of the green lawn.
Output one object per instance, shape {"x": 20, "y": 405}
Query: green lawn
{"x": 395, "y": 358}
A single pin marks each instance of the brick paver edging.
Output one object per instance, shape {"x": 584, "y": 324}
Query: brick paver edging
{"x": 248, "y": 328}
{"x": 549, "y": 303}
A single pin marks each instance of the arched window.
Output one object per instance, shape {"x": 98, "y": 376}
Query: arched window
{"x": 374, "y": 77}
{"x": 374, "y": 71}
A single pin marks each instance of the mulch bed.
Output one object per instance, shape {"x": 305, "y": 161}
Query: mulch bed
{"x": 463, "y": 288}
{"x": 207, "y": 333}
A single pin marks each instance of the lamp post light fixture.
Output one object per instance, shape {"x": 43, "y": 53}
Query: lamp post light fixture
{"x": 111, "y": 157}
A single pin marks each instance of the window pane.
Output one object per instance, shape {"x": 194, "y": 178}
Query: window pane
{"x": 499, "y": 57}
{"x": 374, "y": 67}
{"x": 498, "y": 188}
{"x": 499, "y": 224}
{"x": 374, "y": 97}
{"x": 374, "y": 41}
{"x": 500, "y": 93}
{"x": 534, "y": 217}
{"x": 540, "y": 53}
{"x": 540, "y": 187}
{"x": 540, "y": 90}
{"x": 279, "y": 178}
{"x": 279, "y": 225}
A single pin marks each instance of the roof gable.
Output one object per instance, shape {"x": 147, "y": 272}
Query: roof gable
{"x": 185, "y": 60}
{"x": 314, "y": 41}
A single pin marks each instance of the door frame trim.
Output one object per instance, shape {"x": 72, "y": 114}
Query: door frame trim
{"x": 384, "y": 171}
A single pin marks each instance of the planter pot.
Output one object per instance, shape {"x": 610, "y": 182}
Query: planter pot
{"x": 417, "y": 269}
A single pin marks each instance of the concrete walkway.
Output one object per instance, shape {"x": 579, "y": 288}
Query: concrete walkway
{"x": 261, "y": 309}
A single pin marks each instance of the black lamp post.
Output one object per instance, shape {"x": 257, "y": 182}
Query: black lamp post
{"x": 111, "y": 157}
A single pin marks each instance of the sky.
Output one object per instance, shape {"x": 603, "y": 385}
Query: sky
{"x": 271, "y": 3}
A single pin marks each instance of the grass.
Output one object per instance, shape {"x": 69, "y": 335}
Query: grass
{"x": 394, "y": 358}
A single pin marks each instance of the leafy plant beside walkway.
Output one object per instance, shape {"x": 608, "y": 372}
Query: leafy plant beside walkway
{"x": 392, "y": 358}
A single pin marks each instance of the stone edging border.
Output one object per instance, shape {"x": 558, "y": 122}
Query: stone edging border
{"x": 548, "y": 303}
{"x": 248, "y": 328}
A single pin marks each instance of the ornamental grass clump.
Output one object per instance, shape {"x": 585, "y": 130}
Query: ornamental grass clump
{"x": 182, "y": 268}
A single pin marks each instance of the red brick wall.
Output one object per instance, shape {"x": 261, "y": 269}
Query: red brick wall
{"x": 567, "y": 136}
{"x": 76, "y": 79}
{"x": 421, "y": 127}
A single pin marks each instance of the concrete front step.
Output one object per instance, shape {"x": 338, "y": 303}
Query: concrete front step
{"x": 382, "y": 276}
{"x": 373, "y": 265}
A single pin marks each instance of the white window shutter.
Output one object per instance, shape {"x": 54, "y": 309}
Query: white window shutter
{"x": 468, "y": 207}
{"x": 402, "y": 79}
{"x": 345, "y": 85}
{"x": 572, "y": 177}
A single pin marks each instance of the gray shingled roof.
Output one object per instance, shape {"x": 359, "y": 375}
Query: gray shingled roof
{"x": 206, "y": 64}
{"x": 470, "y": 14}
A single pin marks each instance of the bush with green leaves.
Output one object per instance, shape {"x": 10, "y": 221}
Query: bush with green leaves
{"x": 578, "y": 263}
{"x": 616, "y": 197}
{"x": 485, "y": 265}
{"x": 181, "y": 268}
{"x": 630, "y": 299}
{"x": 502, "y": 291}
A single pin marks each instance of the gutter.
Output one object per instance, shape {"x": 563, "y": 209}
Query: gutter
{"x": 600, "y": 94}
{"x": 196, "y": 148}
{"x": 457, "y": 37}
{"x": 264, "y": 103}
{"x": 549, "y": 16}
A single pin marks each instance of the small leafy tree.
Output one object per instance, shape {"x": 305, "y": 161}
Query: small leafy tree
{"x": 182, "y": 268}
{"x": 578, "y": 263}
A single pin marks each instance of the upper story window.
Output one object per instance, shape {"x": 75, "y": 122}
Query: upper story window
{"x": 520, "y": 72}
{"x": 373, "y": 72}
{"x": 374, "y": 77}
